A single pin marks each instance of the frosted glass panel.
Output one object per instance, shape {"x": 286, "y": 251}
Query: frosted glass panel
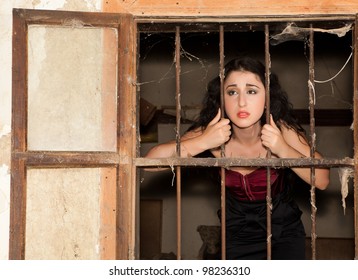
{"x": 63, "y": 213}
{"x": 72, "y": 88}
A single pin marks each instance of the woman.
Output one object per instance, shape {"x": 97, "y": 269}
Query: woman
{"x": 244, "y": 134}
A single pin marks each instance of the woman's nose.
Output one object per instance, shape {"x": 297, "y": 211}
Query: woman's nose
{"x": 242, "y": 100}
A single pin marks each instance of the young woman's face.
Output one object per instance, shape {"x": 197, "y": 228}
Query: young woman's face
{"x": 244, "y": 98}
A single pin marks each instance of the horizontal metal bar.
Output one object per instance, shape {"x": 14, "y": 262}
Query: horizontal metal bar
{"x": 50, "y": 158}
{"x": 257, "y": 162}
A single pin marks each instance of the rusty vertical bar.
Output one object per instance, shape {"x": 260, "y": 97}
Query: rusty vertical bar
{"x": 222, "y": 108}
{"x": 178, "y": 119}
{"x": 268, "y": 176}
{"x": 355, "y": 131}
{"x": 312, "y": 102}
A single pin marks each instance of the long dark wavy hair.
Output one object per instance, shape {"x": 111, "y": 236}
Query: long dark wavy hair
{"x": 280, "y": 107}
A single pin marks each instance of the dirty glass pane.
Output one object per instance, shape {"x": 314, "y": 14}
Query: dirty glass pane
{"x": 72, "y": 88}
{"x": 63, "y": 212}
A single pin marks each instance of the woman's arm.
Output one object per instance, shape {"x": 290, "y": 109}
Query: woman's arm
{"x": 196, "y": 141}
{"x": 190, "y": 145}
{"x": 287, "y": 143}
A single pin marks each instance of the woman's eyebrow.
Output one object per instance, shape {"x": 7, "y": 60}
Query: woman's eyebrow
{"x": 232, "y": 85}
{"x": 248, "y": 85}
{"x": 252, "y": 85}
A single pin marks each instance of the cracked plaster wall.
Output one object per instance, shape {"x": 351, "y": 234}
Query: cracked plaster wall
{"x": 6, "y": 7}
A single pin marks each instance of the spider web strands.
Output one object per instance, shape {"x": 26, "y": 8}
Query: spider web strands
{"x": 178, "y": 114}
{"x": 313, "y": 141}
{"x": 223, "y": 183}
{"x": 268, "y": 175}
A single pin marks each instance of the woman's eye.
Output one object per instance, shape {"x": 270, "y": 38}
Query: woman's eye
{"x": 231, "y": 92}
{"x": 251, "y": 91}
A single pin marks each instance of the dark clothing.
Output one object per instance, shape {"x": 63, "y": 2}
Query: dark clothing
{"x": 246, "y": 235}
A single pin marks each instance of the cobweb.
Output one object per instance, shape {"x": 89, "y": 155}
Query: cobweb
{"x": 294, "y": 33}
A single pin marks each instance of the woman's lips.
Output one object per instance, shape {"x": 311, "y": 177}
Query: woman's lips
{"x": 243, "y": 114}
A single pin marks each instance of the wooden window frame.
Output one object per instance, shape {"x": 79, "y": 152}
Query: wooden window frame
{"x": 22, "y": 158}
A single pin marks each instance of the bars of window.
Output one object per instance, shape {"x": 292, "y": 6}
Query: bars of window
{"x": 222, "y": 169}
{"x": 268, "y": 162}
{"x": 268, "y": 177}
{"x": 355, "y": 129}
{"x": 178, "y": 118}
{"x": 311, "y": 95}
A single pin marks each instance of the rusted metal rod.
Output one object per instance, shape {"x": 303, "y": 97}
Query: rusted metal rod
{"x": 254, "y": 162}
{"x": 268, "y": 175}
{"x": 178, "y": 119}
{"x": 223, "y": 183}
{"x": 312, "y": 99}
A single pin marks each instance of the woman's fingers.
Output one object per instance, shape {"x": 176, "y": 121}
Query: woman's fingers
{"x": 216, "y": 118}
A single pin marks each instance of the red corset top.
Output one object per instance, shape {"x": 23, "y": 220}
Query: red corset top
{"x": 253, "y": 186}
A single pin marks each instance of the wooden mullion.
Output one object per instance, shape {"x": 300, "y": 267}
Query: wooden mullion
{"x": 68, "y": 18}
{"x": 19, "y": 83}
{"x": 69, "y": 159}
{"x": 131, "y": 64}
{"x": 210, "y": 22}
{"x": 18, "y": 140}
{"x": 17, "y": 210}
{"x": 126, "y": 138}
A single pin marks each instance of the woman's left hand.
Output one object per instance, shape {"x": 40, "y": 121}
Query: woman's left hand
{"x": 272, "y": 138}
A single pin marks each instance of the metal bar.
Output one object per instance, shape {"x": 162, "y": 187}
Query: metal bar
{"x": 222, "y": 108}
{"x": 255, "y": 162}
{"x": 355, "y": 131}
{"x": 60, "y": 159}
{"x": 178, "y": 112}
{"x": 268, "y": 174}
{"x": 313, "y": 141}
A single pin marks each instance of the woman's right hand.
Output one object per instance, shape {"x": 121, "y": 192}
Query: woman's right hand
{"x": 217, "y": 132}
{"x": 196, "y": 141}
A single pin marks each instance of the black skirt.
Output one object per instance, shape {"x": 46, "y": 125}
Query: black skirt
{"x": 246, "y": 233}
